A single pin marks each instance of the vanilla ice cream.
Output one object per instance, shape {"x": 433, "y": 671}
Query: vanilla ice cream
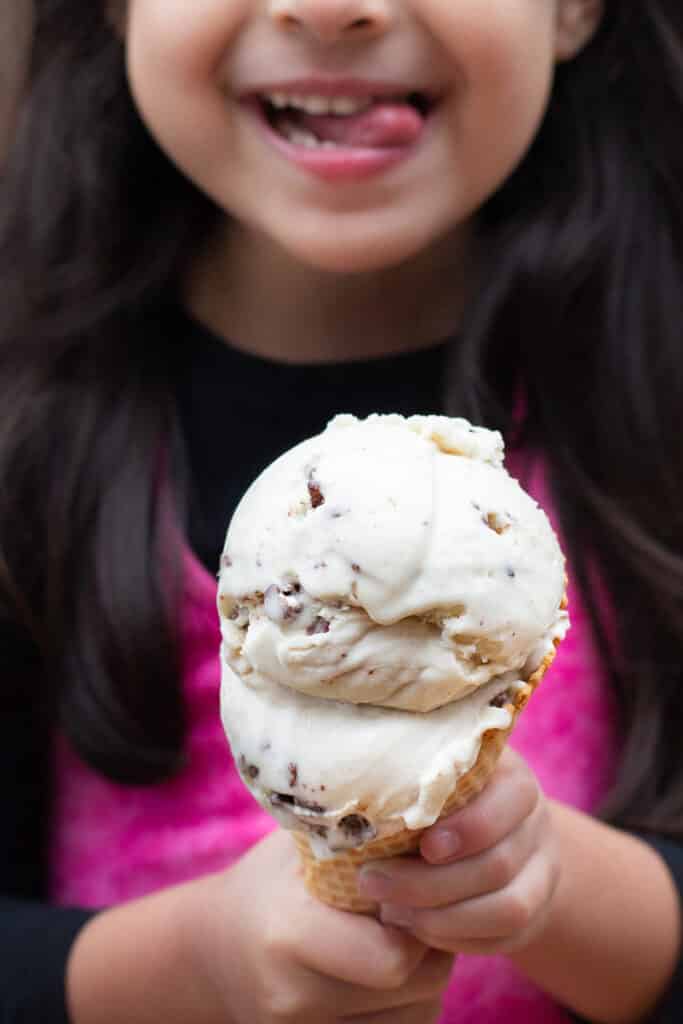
{"x": 383, "y": 587}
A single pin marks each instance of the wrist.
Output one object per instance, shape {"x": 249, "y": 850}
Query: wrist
{"x": 611, "y": 939}
{"x": 208, "y": 975}
{"x": 136, "y": 963}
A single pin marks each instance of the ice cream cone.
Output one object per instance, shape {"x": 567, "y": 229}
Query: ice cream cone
{"x": 334, "y": 880}
{"x": 389, "y": 599}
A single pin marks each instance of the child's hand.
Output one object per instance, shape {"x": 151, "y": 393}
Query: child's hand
{"x": 487, "y": 875}
{"x": 274, "y": 954}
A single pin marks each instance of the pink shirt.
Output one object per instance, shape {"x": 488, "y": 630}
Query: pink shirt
{"x": 112, "y": 843}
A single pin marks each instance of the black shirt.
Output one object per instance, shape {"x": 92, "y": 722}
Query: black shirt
{"x": 237, "y": 413}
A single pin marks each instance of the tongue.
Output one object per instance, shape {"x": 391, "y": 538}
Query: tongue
{"x": 381, "y": 125}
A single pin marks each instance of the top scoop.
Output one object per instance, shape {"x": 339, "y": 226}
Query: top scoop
{"x": 391, "y": 562}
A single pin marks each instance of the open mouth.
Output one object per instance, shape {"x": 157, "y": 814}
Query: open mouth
{"x": 333, "y": 122}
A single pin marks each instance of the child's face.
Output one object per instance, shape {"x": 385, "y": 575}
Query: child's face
{"x": 198, "y": 69}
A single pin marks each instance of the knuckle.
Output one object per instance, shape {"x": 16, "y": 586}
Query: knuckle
{"x": 432, "y": 928}
{"x": 397, "y": 966}
{"x": 276, "y": 942}
{"x": 554, "y": 874}
{"x": 502, "y": 866}
{"x": 280, "y": 1001}
{"x": 529, "y": 791}
{"x": 516, "y": 911}
{"x": 285, "y": 1008}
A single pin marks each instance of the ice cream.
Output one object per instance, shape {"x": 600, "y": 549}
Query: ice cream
{"x": 386, "y": 592}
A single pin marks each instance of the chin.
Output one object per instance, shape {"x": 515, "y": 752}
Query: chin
{"x": 348, "y": 256}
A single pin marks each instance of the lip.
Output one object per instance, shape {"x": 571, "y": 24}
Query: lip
{"x": 341, "y": 164}
{"x": 328, "y": 85}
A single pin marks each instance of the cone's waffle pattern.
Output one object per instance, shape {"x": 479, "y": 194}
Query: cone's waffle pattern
{"x": 334, "y": 880}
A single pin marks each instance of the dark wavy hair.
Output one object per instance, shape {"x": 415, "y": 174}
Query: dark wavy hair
{"x": 578, "y": 303}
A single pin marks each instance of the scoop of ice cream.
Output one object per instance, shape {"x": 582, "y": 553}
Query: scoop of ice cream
{"x": 346, "y": 773}
{"x": 391, "y": 562}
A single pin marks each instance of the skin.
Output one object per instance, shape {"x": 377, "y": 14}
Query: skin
{"x": 371, "y": 244}
{"x": 250, "y": 946}
{"x": 316, "y": 271}
{"x": 590, "y": 914}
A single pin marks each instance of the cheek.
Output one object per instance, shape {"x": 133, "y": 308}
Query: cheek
{"x": 184, "y": 38}
{"x": 502, "y": 55}
{"x": 174, "y": 51}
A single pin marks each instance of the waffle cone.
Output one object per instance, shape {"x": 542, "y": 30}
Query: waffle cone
{"x": 334, "y": 880}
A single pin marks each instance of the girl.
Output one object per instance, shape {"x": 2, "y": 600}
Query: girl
{"x": 221, "y": 222}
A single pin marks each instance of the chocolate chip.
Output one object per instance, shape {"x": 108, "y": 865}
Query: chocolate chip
{"x": 499, "y": 522}
{"x": 250, "y": 770}
{"x": 282, "y": 798}
{"x": 495, "y": 522}
{"x": 511, "y": 572}
{"x": 316, "y": 495}
{"x": 292, "y": 801}
{"x": 355, "y": 825}
{"x": 234, "y": 613}
{"x": 501, "y": 699}
{"x": 279, "y": 603}
{"x": 355, "y": 566}
{"x": 226, "y": 561}
{"x": 321, "y": 830}
{"x": 319, "y": 625}
{"x": 293, "y": 773}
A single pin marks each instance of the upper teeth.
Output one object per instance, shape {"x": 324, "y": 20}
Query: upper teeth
{"x": 320, "y": 104}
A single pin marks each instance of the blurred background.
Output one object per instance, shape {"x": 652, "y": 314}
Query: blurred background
{"x": 15, "y": 28}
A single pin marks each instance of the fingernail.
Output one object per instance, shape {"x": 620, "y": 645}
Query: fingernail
{"x": 443, "y": 844}
{"x": 401, "y": 917}
{"x": 374, "y": 885}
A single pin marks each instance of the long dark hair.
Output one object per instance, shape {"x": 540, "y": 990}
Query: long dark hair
{"x": 583, "y": 310}
{"x": 579, "y": 303}
{"x": 94, "y": 222}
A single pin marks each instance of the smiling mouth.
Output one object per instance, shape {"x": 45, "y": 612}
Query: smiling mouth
{"x": 366, "y": 122}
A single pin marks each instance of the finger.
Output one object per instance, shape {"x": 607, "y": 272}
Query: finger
{"x": 426, "y": 984}
{"x": 501, "y": 806}
{"x": 496, "y": 916}
{"x": 418, "y": 1013}
{"x": 351, "y": 947}
{"x": 408, "y": 881}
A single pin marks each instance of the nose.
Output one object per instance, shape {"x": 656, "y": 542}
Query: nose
{"x": 333, "y": 20}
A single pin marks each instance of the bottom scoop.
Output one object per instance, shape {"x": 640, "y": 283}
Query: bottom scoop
{"x": 346, "y": 774}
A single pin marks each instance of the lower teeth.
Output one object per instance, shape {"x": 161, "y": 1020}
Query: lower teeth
{"x": 305, "y": 139}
